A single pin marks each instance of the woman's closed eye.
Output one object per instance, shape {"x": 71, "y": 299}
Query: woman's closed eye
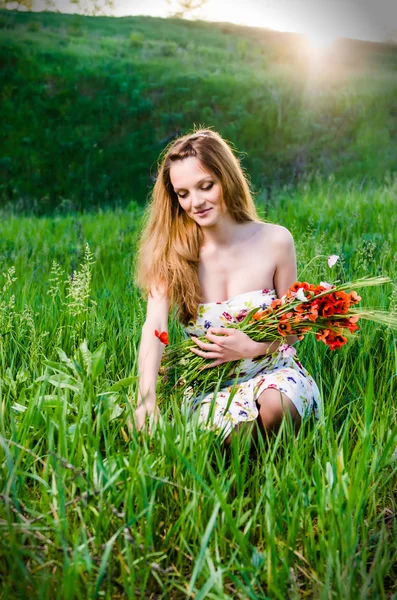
{"x": 206, "y": 189}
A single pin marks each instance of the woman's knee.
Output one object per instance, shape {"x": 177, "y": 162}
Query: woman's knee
{"x": 273, "y": 405}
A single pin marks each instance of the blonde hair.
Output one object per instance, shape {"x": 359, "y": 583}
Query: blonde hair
{"x": 170, "y": 241}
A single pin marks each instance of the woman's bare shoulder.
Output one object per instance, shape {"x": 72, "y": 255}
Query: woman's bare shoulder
{"x": 277, "y": 234}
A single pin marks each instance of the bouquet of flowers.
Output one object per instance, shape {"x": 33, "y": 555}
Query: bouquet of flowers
{"x": 329, "y": 312}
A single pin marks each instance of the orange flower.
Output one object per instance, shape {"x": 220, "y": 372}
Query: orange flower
{"x": 354, "y": 299}
{"x": 341, "y": 307}
{"x": 295, "y": 287}
{"x": 163, "y": 336}
{"x": 327, "y": 310}
{"x": 351, "y": 323}
{"x": 297, "y": 318}
{"x": 339, "y": 324}
{"x": 336, "y": 341}
{"x": 300, "y": 284}
{"x": 301, "y": 308}
{"x": 276, "y": 303}
{"x": 354, "y": 318}
{"x": 342, "y": 296}
{"x": 318, "y": 289}
{"x": 328, "y": 298}
{"x": 322, "y": 334}
{"x": 257, "y": 316}
{"x": 286, "y": 316}
{"x": 313, "y": 312}
{"x": 301, "y": 332}
{"x": 284, "y": 328}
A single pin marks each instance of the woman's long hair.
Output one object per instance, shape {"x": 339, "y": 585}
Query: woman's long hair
{"x": 170, "y": 241}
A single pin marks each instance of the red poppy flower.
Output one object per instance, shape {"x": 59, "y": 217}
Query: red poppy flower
{"x": 299, "y": 284}
{"x": 313, "y": 312}
{"x": 351, "y": 323}
{"x": 284, "y": 328}
{"x": 276, "y": 303}
{"x": 286, "y": 316}
{"x": 163, "y": 336}
{"x": 354, "y": 299}
{"x": 300, "y": 308}
{"x": 312, "y": 316}
{"x": 354, "y": 318}
{"x": 327, "y": 310}
{"x": 341, "y": 307}
{"x": 340, "y": 295}
{"x": 336, "y": 341}
{"x": 294, "y": 287}
{"x": 318, "y": 289}
{"x": 322, "y": 334}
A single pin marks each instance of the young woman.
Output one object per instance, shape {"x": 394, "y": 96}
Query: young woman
{"x": 204, "y": 251}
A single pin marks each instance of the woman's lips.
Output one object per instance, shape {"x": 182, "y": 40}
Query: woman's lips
{"x": 204, "y": 212}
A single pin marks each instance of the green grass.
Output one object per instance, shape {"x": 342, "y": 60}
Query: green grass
{"x": 87, "y": 511}
{"x": 88, "y": 104}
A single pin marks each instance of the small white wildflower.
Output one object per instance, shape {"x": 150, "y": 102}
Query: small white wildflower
{"x": 332, "y": 260}
{"x": 300, "y": 294}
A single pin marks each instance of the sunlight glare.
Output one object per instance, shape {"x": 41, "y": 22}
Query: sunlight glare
{"x": 319, "y": 40}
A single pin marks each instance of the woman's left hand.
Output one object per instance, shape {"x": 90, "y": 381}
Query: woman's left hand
{"x": 232, "y": 344}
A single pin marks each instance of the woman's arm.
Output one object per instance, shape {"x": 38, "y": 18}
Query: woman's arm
{"x": 150, "y": 353}
{"x": 286, "y": 271}
{"x": 285, "y": 275}
{"x": 149, "y": 358}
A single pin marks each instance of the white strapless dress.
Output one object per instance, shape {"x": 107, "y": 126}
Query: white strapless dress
{"x": 281, "y": 371}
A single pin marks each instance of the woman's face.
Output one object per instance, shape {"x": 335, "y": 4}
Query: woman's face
{"x": 199, "y": 191}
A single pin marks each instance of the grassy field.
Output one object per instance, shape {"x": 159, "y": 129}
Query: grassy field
{"x": 88, "y": 512}
{"x": 88, "y": 103}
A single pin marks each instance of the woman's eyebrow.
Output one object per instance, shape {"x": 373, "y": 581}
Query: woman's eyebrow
{"x": 198, "y": 183}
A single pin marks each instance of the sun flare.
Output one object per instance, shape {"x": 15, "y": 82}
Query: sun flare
{"x": 320, "y": 40}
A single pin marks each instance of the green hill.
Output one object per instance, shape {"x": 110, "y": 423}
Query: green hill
{"x": 88, "y": 103}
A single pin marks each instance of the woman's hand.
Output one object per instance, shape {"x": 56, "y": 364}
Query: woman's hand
{"x": 232, "y": 344}
{"x": 140, "y": 417}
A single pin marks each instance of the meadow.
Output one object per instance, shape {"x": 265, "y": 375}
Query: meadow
{"x": 90, "y": 511}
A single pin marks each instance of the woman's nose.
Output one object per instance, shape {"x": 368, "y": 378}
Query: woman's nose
{"x": 197, "y": 200}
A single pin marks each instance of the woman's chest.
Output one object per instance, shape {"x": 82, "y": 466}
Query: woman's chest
{"x": 228, "y": 273}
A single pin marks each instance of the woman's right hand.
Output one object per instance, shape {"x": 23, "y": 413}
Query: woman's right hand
{"x": 140, "y": 416}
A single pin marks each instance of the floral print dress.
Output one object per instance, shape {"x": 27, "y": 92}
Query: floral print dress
{"x": 236, "y": 403}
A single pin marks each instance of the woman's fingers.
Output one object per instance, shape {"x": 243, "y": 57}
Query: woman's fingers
{"x": 221, "y": 330}
{"x": 204, "y": 345}
{"x": 205, "y": 354}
